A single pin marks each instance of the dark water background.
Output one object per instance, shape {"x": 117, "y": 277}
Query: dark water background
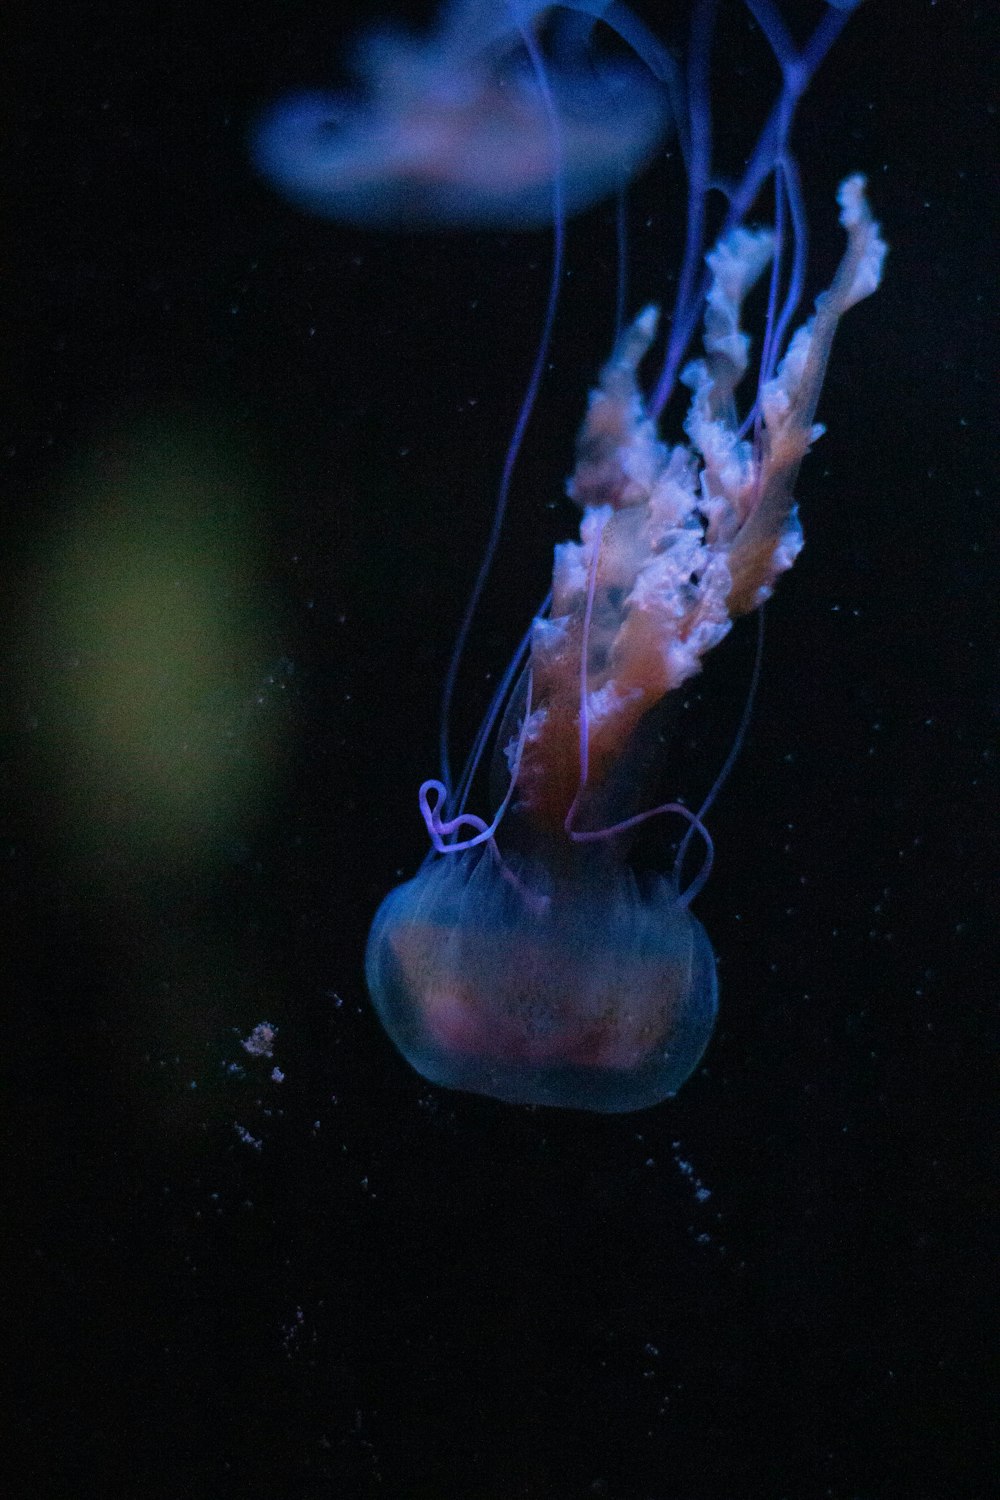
{"x": 346, "y": 1283}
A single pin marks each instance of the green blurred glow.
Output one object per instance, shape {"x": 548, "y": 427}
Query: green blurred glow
{"x": 158, "y": 696}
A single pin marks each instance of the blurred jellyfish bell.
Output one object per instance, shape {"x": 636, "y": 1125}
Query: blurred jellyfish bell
{"x": 471, "y": 124}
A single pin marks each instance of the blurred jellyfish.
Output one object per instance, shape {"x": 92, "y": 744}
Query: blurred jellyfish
{"x": 458, "y": 128}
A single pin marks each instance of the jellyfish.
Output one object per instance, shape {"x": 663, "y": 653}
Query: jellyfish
{"x": 527, "y": 960}
{"x": 531, "y": 959}
{"x": 456, "y": 128}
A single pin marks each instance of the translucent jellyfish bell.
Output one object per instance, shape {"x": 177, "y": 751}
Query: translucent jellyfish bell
{"x": 506, "y": 979}
{"x": 460, "y": 128}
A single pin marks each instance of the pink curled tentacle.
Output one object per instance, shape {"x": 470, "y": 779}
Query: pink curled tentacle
{"x": 440, "y": 829}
